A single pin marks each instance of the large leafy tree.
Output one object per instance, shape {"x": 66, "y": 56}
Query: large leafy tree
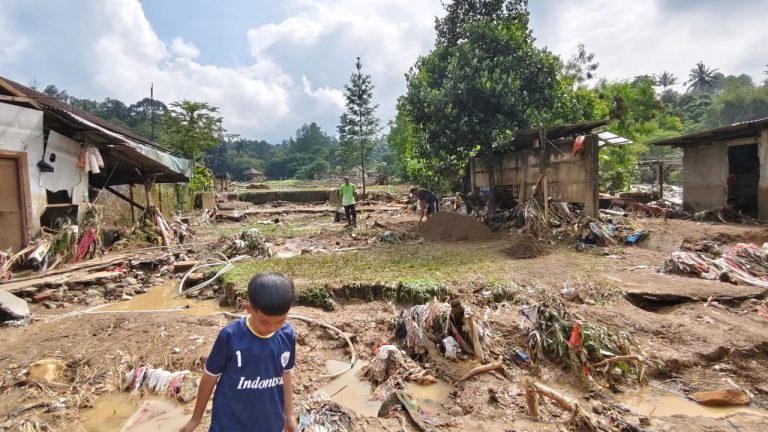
{"x": 582, "y": 66}
{"x": 192, "y": 128}
{"x": 484, "y": 81}
{"x": 358, "y": 125}
{"x": 701, "y": 78}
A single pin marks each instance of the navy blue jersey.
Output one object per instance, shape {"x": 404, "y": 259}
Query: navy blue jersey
{"x": 249, "y": 394}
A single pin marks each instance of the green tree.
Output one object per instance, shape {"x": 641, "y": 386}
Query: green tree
{"x": 52, "y": 90}
{"x": 192, "y": 128}
{"x": 358, "y": 125}
{"x": 582, "y": 66}
{"x": 701, "y": 78}
{"x": 665, "y": 80}
{"x": 484, "y": 81}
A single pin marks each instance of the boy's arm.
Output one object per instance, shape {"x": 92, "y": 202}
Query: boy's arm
{"x": 290, "y": 420}
{"x": 207, "y": 384}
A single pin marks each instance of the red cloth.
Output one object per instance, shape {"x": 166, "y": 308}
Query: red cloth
{"x": 578, "y": 145}
{"x": 85, "y": 244}
{"x": 575, "y": 340}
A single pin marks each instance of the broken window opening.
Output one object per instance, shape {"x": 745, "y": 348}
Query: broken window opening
{"x": 58, "y": 197}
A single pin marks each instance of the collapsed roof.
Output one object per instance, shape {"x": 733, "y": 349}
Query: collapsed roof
{"x": 745, "y": 129}
{"x": 127, "y": 156}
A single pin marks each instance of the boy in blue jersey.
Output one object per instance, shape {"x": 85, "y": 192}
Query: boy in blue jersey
{"x": 250, "y": 365}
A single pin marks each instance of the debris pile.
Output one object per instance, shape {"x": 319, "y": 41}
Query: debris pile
{"x": 525, "y": 246}
{"x": 425, "y": 327}
{"x": 609, "y": 231}
{"x": 745, "y": 263}
{"x": 585, "y": 347}
{"x": 389, "y": 368}
{"x": 320, "y": 414}
{"x": 179, "y": 385}
{"x": 445, "y": 226}
{"x": 249, "y": 242}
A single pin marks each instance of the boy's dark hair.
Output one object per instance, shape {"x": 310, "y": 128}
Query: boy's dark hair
{"x": 271, "y": 293}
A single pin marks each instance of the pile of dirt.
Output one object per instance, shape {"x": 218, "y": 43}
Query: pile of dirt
{"x": 525, "y": 246}
{"x": 446, "y": 226}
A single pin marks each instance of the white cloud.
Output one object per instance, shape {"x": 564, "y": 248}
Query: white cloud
{"x": 632, "y": 38}
{"x": 325, "y": 97}
{"x": 12, "y": 41}
{"x": 184, "y": 49}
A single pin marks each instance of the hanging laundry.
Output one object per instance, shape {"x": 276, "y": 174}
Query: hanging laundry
{"x": 578, "y": 145}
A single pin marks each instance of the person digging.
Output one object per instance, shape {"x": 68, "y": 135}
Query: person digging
{"x": 348, "y": 192}
{"x": 428, "y": 203}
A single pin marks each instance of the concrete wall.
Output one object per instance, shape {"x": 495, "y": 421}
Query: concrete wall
{"x": 21, "y": 130}
{"x": 571, "y": 178}
{"x": 705, "y": 171}
{"x": 67, "y": 173}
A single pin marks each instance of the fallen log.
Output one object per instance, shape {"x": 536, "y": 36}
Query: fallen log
{"x": 483, "y": 368}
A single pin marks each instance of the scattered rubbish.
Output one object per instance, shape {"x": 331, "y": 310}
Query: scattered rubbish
{"x": 451, "y": 347}
{"x": 580, "y": 419}
{"x": 723, "y": 397}
{"x": 46, "y": 370}
{"x": 389, "y": 237}
{"x": 179, "y": 385}
{"x": 156, "y": 415}
{"x": 401, "y": 398}
{"x": 320, "y": 414}
{"x": 745, "y": 263}
{"x": 389, "y": 364}
{"x": 126, "y": 413}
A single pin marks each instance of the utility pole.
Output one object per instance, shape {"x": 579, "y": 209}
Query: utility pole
{"x": 360, "y": 119}
{"x": 152, "y": 109}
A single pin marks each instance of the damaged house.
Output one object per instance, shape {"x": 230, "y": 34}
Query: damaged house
{"x": 53, "y": 156}
{"x": 726, "y": 166}
{"x": 565, "y": 157}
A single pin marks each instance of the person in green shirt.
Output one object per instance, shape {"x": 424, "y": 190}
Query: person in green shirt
{"x": 348, "y": 192}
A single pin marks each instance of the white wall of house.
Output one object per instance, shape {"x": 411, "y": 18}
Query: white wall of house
{"x": 21, "y": 130}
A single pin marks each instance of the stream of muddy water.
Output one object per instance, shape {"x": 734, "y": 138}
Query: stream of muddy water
{"x": 166, "y": 296}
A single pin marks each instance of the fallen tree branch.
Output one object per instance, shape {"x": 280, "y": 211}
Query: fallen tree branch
{"x": 483, "y": 368}
{"x": 612, "y": 360}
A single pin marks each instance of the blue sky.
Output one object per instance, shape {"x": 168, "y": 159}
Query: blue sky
{"x": 271, "y": 65}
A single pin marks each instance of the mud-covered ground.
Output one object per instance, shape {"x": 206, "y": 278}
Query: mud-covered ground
{"x": 696, "y": 335}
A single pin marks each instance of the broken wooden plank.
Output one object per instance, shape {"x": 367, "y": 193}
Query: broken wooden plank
{"x": 82, "y": 276}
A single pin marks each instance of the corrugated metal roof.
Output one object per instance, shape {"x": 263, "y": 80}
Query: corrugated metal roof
{"x": 736, "y": 130}
{"x": 527, "y": 137}
{"x": 126, "y": 147}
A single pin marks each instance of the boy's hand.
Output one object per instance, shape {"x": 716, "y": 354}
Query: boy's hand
{"x": 290, "y": 425}
{"x": 191, "y": 426}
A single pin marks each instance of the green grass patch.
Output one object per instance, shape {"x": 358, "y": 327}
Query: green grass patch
{"x": 405, "y": 273}
{"x": 301, "y": 226}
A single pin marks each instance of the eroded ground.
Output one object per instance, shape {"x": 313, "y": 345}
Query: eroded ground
{"x": 697, "y": 335}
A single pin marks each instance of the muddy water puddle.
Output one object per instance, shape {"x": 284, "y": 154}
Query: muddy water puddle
{"x": 163, "y": 297}
{"x": 655, "y": 402}
{"x": 354, "y": 393}
{"x": 127, "y": 413}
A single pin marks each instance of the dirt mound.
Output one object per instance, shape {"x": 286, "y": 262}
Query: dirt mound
{"x": 446, "y": 226}
{"x": 525, "y": 246}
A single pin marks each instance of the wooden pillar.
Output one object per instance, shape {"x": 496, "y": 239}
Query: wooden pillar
{"x": 762, "y": 186}
{"x": 592, "y": 185}
{"x": 660, "y": 179}
{"x": 133, "y": 211}
{"x": 149, "y": 183}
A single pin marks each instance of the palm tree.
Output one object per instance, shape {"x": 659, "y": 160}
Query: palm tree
{"x": 701, "y": 78}
{"x": 666, "y": 79}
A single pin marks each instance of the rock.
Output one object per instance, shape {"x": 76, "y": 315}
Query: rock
{"x": 644, "y": 421}
{"x": 207, "y": 294}
{"x": 125, "y": 297}
{"x": 49, "y": 370}
{"x": 721, "y": 397}
{"x": 130, "y": 281}
{"x": 42, "y": 296}
{"x": 184, "y": 266}
{"x": 140, "y": 290}
{"x": 176, "y": 350}
{"x": 49, "y": 305}
{"x": 223, "y": 301}
{"x": 193, "y": 294}
{"x": 762, "y": 389}
{"x": 58, "y": 295}
{"x": 598, "y": 408}
{"x": 330, "y": 305}
{"x": 716, "y": 354}
{"x": 129, "y": 292}
{"x": 93, "y": 297}
{"x": 455, "y": 411}
{"x": 13, "y": 306}
{"x": 195, "y": 278}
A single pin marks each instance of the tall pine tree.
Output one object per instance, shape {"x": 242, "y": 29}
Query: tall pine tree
{"x": 358, "y": 125}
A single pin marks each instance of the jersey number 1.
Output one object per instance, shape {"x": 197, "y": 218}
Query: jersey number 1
{"x": 239, "y": 359}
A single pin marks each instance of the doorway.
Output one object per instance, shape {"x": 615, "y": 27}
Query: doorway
{"x": 743, "y": 178}
{"x": 12, "y": 204}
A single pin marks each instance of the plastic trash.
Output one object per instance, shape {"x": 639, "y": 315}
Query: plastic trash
{"x": 451, "y": 347}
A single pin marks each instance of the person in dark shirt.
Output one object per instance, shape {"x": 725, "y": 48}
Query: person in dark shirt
{"x": 427, "y": 202}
